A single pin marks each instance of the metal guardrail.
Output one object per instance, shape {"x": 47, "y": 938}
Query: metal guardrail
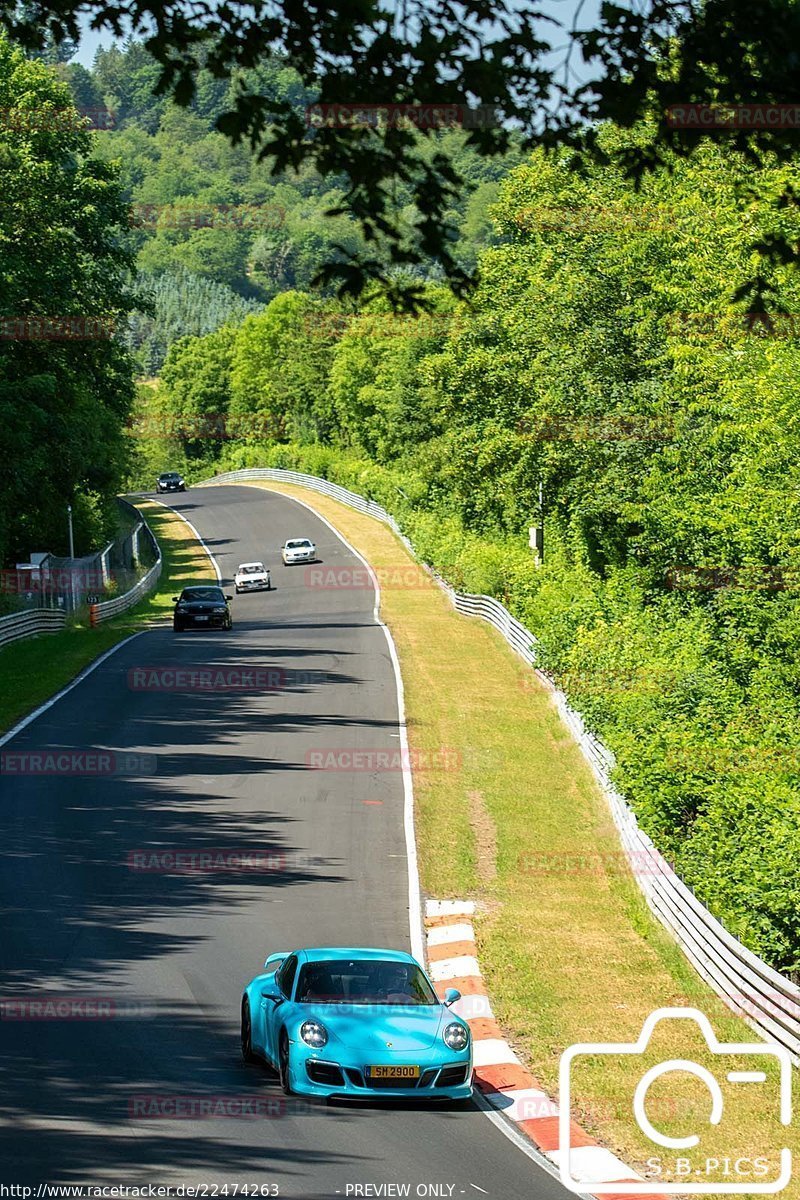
{"x": 27, "y": 624}
{"x": 767, "y": 1000}
{"x": 104, "y": 610}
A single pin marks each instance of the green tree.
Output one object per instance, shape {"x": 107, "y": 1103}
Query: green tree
{"x": 195, "y": 387}
{"x": 65, "y": 383}
{"x": 280, "y": 370}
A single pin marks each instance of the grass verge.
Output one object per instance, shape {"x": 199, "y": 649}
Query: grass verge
{"x": 568, "y": 947}
{"x": 36, "y": 668}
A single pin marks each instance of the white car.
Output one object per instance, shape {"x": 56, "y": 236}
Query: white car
{"x": 298, "y": 550}
{"x": 252, "y": 577}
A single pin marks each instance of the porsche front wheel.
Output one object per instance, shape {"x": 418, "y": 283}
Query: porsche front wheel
{"x": 283, "y": 1063}
{"x": 247, "y": 1034}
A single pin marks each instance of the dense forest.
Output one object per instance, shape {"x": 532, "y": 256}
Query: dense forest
{"x": 206, "y": 214}
{"x": 604, "y": 359}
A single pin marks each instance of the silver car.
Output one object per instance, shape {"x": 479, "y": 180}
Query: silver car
{"x": 298, "y": 550}
{"x": 252, "y": 577}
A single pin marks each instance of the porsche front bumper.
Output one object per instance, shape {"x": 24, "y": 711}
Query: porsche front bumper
{"x": 440, "y": 1078}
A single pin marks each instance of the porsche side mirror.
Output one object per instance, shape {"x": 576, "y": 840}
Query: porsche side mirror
{"x": 450, "y": 996}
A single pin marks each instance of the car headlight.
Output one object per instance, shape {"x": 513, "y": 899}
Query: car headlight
{"x": 313, "y": 1034}
{"x": 456, "y": 1036}
{"x": 221, "y": 609}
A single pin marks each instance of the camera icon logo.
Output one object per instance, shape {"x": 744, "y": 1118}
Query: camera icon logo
{"x": 689, "y": 1176}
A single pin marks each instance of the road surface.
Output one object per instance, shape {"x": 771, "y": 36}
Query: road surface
{"x": 150, "y": 963}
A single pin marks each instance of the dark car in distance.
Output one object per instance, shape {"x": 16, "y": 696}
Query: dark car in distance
{"x": 170, "y": 481}
{"x": 201, "y": 607}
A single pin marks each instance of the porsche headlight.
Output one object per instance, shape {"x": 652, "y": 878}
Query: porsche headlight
{"x": 313, "y": 1034}
{"x": 456, "y": 1036}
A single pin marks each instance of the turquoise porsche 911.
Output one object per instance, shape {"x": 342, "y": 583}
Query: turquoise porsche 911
{"x": 352, "y": 1022}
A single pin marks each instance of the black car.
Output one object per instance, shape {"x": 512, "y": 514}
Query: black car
{"x": 170, "y": 481}
{"x": 201, "y": 607}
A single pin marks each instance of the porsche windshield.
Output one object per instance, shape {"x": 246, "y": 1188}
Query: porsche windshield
{"x": 374, "y": 981}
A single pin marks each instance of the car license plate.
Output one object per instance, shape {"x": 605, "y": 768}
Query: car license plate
{"x": 392, "y": 1072}
{"x": 201, "y": 618}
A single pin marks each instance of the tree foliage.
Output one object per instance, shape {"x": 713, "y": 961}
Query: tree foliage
{"x": 632, "y": 61}
{"x": 65, "y": 385}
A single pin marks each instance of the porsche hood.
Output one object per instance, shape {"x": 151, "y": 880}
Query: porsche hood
{"x": 401, "y": 1027}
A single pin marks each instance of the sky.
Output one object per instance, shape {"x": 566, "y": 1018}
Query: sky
{"x": 90, "y": 43}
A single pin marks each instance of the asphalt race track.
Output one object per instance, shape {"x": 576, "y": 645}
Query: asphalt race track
{"x": 152, "y": 962}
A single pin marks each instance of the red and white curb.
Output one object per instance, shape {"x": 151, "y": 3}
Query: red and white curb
{"x": 505, "y": 1083}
